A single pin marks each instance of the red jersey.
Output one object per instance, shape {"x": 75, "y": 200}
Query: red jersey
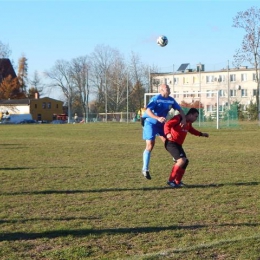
{"x": 179, "y": 133}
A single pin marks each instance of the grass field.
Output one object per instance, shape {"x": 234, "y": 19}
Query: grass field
{"x": 76, "y": 192}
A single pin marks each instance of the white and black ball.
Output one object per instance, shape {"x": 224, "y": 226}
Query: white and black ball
{"x": 162, "y": 41}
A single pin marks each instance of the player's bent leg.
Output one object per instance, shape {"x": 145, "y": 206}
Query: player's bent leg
{"x": 171, "y": 182}
{"x": 182, "y": 165}
{"x": 185, "y": 164}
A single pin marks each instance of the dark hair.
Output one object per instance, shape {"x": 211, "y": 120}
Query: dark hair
{"x": 192, "y": 110}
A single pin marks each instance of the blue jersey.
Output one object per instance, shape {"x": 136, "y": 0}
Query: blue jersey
{"x": 161, "y": 106}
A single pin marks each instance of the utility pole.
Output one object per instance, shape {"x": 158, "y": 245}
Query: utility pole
{"x": 200, "y": 90}
{"x": 106, "y": 94}
{"x": 228, "y": 87}
{"x": 127, "y": 90}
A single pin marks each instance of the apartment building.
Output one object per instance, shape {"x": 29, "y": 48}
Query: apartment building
{"x": 221, "y": 87}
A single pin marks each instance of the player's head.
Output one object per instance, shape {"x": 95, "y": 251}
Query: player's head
{"x": 164, "y": 90}
{"x": 192, "y": 115}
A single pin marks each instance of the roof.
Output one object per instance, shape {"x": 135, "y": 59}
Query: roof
{"x": 15, "y": 101}
{"x": 6, "y": 69}
{"x": 46, "y": 99}
{"x": 25, "y": 101}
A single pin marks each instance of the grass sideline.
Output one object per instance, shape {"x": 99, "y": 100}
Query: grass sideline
{"x": 76, "y": 192}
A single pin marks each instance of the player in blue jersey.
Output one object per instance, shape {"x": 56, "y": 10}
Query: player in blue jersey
{"x": 153, "y": 122}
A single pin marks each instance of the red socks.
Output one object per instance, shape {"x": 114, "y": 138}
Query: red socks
{"x": 179, "y": 175}
{"x": 176, "y": 174}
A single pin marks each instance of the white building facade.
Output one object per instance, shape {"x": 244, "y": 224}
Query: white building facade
{"x": 190, "y": 85}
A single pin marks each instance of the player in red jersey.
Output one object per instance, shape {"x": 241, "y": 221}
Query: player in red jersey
{"x": 176, "y": 135}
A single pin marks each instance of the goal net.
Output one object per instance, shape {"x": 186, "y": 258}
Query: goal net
{"x": 214, "y": 110}
{"x": 116, "y": 117}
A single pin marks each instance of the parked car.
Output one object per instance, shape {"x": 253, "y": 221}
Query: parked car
{"x": 15, "y": 118}
{"x": 58, "y": 122}
{"x": 27, "y": 121}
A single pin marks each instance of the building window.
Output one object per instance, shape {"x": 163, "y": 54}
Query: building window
{"x": 176, "y": 81}
{"x": 221, "y": 108}
{"x": 57, "y": 106}
{"x": 193, "y": 94}
{"x": 49, "y": 105}
{"x": 35, "y": 105}
{"x": 195, "y": 80}
{"x": 221, "y": 93}
{"x": 244, "y": 92}
{"x": 233, "y": 93}
{"x": 175, "y": 95}
{"x": 221, "y": 78}
{"x": 233, "y": 77}
{"x": 254, "y": 77}
{"x": 168, "y": 81}
{"x": 44, "y": 105}
{"x": 254, "y": 92}
{"x": 185, "y": 80}
{"x": 209, "y": 94}
{"x": 209, "y": 79}
{"x": 243, "y": 77}
{"x": 209, "y": 108}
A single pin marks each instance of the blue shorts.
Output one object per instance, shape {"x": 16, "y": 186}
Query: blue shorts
{"x": 150, "y": 131}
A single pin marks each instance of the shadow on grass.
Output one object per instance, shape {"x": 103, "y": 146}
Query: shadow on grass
{"x": 10, "y": 221}
{"x": 199, "y": 186}
{"x": 222, "y": 184}
{"x": 1, "y": 145}
{"x": 12, "y": 146}
{"x": 85, "y": 232}
{"x": 16, "y": 168}
{"x": 28, "y": 168}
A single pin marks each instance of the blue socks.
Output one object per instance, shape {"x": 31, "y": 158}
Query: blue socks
{"x": 146, "y": 160}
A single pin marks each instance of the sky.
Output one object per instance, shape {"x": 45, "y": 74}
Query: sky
{"x": 199, "y": 31}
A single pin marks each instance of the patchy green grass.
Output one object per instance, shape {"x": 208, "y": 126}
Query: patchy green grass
{"x": 76, "y": 192}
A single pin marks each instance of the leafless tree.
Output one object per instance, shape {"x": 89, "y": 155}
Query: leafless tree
{"x": 139, "y": 79}
{"x": 36, "y": 85}
{"x": 80, "y": 75}
{"x": 118, "y": 85}
{"x": 105, "y": 77}
{"x": 5, "y": 52}
{"x": 60, "y": 76}
{"x": 249, "y": 21}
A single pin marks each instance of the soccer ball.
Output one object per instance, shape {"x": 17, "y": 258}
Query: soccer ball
{"x": 162, "y": 41}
